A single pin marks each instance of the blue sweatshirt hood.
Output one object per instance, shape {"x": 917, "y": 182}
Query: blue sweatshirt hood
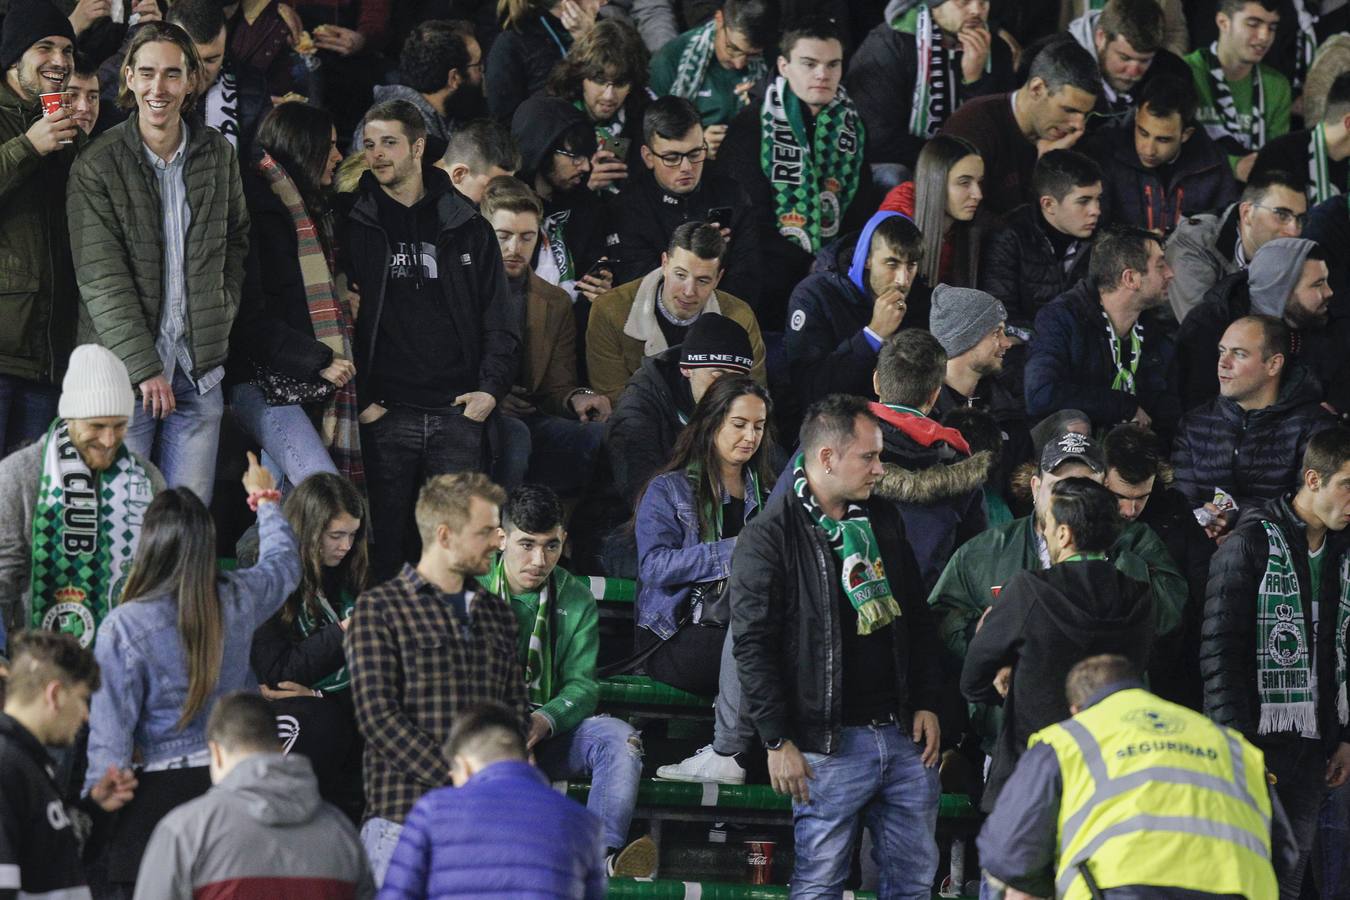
{"x": 864, "y": 247}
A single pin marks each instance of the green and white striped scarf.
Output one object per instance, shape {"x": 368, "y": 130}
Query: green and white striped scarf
{"x": 938, "y": 75}
{"x": 1320, "y": 184}
{"x": 308, "y": 624}
{"x": 696, "y": 57}
{"x": 539, "y": 655}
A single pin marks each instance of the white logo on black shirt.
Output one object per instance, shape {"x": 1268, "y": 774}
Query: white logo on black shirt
{"x": 404, "y": 256}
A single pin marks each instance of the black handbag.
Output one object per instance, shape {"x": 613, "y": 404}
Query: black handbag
{"x": 287, "y": 390}
{"x": 710, "y": 604}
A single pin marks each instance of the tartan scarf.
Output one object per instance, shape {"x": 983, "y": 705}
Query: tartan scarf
{"x": 1320, "y": 184}
{"x": 694, "y": 60}
{"x": 308, "y": 624}
{"x": 851, "y": 538}
{"x": 539, "y": 655}
{"x": 1283, "y": 655}
{"x": 85, "y": 530}
{"x": 935, "y": 82}
{"x": 1255, "y": 137}
{"x": 331, "y": 320}
{"x": 814, "y": 177}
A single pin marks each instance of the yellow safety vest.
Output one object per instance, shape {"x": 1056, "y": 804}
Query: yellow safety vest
{"x": 1155, "y": 794}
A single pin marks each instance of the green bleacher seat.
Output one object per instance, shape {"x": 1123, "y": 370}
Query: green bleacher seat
{"x": 655, "y": 793}
{"x": 638, "y": 690}
{"x": 623, "y": 888}
{"x": 612, "y": 590}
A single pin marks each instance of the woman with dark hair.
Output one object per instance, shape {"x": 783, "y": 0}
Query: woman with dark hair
{"x": 297, "y": 654}
{"x": 605, "y": 76}
{"x": 687, "y": 521}
{"x": 944, "y": 201}
{"x": 535, "y": 35}
{"x": 290, "y": 366}
{"x": 176, "y": 643}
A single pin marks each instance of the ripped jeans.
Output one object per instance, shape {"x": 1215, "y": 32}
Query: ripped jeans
{"x": 610, "y": 751}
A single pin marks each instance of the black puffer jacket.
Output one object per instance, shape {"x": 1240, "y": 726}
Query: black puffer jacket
{"x": 641, "y": 432}
{"x": 1019, "y": 265}
{"x": 785, "y": 598}
{"x": 1228, "y": 642}
{"x": 1253, "y": 455}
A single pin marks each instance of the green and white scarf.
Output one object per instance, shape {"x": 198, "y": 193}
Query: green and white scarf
{"x": 935, "y": 82}
{"x": 1255, "y": 138}
{"x": 698, "y": 54}
{"x": 1284, "y": 658}
{"x": 539, "y": 655}
{"x": 864, "y": 575}
{"x": 308, "y": 624}
{"x": 85, "y": 530}
{"x": 814, "y": 177}
{"x": 1319, "y": 167}
{"x": 1124, "y": 380}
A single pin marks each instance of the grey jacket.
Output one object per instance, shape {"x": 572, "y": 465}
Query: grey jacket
{"x": 1195, "y": 251}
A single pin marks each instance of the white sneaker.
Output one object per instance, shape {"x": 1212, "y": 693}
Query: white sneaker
{"x": 707, "y": 767}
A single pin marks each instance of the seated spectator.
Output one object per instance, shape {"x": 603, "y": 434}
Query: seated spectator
{"x": 299, "y": 650}
{"x": 1322, "y": 152}
{"x": 178, "y": 642}
{"x": 660, "y": 398}
{"x": 944, "y": 200}
{"x": 477, "y": 153}
{"x": 983, "y": 435}
{"x": 262, "y": 825}
{"x": 1126, "y": 38}
{"x": 348, "y": 37}
{"x": 1046, "y": 621}
{"x": 553, "y": 424}
{"x": 914, "y": 70}
{"x": 556, "y": 145}
{"x": 84, "y": 90}
{"x": 46, "y": 701}
{"x": 1288, "y": 280}
{"x": 1248, "y": 441}
{"x": 539, "y": 842}
{"x": 535, "y": 36}
{"x": 674, "y": 187}
{"x": 291, "y": 357}
{"x": 440, "y": 72}
{"x": 1205, "y": 248}
{"x": 932, "y": 475}
{"x": 1156, "y": 167}
{"x": 605, "y": 77}
{"x": 1070, "y": 365}
{"x": 230, "y": 99}
{"x": 48, "y": 480}
{"x": 557, "y": 640}
{"x": 686, "y": 524}
{"x": 1045, "y": 246}
{"x": 1011, "y": 131}
{"x": 807, "y": 118}
{"x": 717, "y": 64}
{"x": 840, "y": 315}
{"x": 644, "y": 317}
{"x": 1329, "y": 225}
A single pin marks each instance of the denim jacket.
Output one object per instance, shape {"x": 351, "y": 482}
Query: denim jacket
{"x": 144, "y": 668}
{"x": 672, "y": 558}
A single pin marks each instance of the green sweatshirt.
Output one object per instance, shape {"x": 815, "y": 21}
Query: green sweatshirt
{"x": 1278, "y": 99}
{"x": 716, "y": 100}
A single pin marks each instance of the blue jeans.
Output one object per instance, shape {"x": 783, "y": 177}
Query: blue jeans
{"x": 184, "y": 444}
{"x": 610, "y": 751}
{"x": 287, "y": 435}
{"x": 380, "y": 837}
{"x": 549, "y": 450}
{"x": 875, "y": 777}
{"x": 26, "y": 409}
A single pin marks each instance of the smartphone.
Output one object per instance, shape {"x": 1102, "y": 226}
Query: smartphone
{"x": 600, "y": 265}
{"x": 619, "y": 146}
{"x": 721, "y": 215}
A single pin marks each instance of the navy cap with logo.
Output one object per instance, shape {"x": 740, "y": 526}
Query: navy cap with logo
{"x": 716, "y": 342}
{"x": 1072, "y": 447}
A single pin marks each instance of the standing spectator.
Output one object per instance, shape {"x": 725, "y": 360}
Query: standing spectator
{"x": 160, "y": 257}
{"x": 477, "y": 153}
{"x": 262, "y": 828}
{"x": 425, "y": 647}
{"x": 1126, "y": 38}
{"x": 1069, "y": 365}
{"x": 536, "y": 35}
{"x": 644, "y": 317}
{"x": 177, "y": 643}
{"x": 1243, "y": 102}
{"x": 264, "y": 37}
{"x": 552, "y": 424}
{"x": 1045, "y": 246}
{"x": 1320, "y": 151}
{"x": 850, "y": 726}
{"x": 1012, "y": 131}
{"x": 231, "y": 100}
{"x": 1205, "y": 248}
{"x": 37, "y": 287}
{"x": 1156, "y": 167}
{"x": 46, "y": 694}
{"x": 292, "y": 354}
{"x": 716, "y": 65}
{"x": 538, "y": 842}
{"x": 1270, "y": 671}
{"x": 348, "y": 36}
{"x": 438, "y": 344}
{"x": 914, "y": 70}
{"x": 66, "y": 573}
{"x": 84, "y": 88}
{"x": 674, "y": 187}
{"x": 806, "y": 118}
{"x": 839, "y": 317}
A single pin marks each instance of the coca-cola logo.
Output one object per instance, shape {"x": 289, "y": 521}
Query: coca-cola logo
{"x": 756, "y": 859}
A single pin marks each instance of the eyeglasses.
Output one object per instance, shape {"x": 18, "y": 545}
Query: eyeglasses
{"x": 575, "y": 158}
{"x": 672, "y": 160}
{"x": 1285, "y": 215}
{"x": 617, "y": 85}
{"x": 477, "y": 65}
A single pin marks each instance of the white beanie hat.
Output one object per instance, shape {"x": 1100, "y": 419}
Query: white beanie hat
{"x": 96, "y": 385}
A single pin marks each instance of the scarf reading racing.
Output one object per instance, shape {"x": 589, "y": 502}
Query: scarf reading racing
{"x": 85, "y": 529}
{"x": 1283, "y": 654}
{"x": 698, "y": 53}
{"x": 851, "y": 538}
{"x": 813, "y": 176}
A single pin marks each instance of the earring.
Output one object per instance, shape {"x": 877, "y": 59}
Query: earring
{"x": 829, "y": 471}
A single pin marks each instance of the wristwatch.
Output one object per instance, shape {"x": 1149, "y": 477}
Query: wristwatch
{"x": 774, "y": 745}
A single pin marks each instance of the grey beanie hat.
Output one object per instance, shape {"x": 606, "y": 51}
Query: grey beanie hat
{"x": 961, "y": 317}
{"x": 1274, "y": 273}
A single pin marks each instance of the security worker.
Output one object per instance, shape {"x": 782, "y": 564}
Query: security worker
{"x": 1135, "y": 797}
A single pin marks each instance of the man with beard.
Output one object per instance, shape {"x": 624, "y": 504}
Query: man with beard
{"x": 232, "y": 100}
{"x": 1126, "y": 38}
{"x": 37, "y": 284}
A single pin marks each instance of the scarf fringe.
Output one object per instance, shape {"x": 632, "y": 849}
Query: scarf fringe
{"x": 1281, "y": 717}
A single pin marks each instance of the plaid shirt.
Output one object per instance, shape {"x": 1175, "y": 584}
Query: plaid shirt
{"x": 414, "y": 666}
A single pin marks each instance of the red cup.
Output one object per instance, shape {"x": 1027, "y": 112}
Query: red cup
{"x": 759, "y": 859}
{"x": 54, "y": 101}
